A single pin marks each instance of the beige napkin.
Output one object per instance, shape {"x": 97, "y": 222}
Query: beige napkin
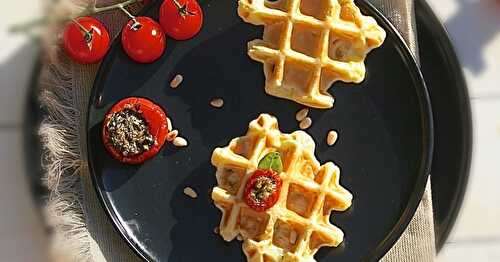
{"x": 80, "y": 223}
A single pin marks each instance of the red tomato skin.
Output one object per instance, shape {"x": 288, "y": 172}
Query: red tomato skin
{"x": 157, "y": 121}
{"x": 146, "y": 44}
{"x": 77, "y": 48}
{"x": 177, "y": 26}
{"x": 271, "y": 200}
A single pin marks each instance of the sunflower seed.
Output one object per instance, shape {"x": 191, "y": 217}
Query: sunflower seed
{"x": 305, "y": 123}
{"x": 190, "y": 192}
{"x": 172, "y": 135}
{"x": 169, "y": 124}
{"x": 331, "y": 138}
{"x": 217, "y": 102}
{"x": 176, "y": 81}
{"x": 180, "y": 142}
{"x": 302, "y": 114}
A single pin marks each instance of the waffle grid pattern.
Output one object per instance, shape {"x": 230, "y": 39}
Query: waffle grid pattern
{"x": 309, "y": 44}
{"x": 298, "y": 225}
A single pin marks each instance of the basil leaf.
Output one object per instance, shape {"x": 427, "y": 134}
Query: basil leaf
{"x": 272, "y": 161}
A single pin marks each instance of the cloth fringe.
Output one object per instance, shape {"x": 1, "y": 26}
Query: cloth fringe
{"x": 65, "y": 204}
{"x": 62, "y": 164}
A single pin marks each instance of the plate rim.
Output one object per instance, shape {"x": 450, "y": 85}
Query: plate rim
{"x": 424, "y": 168}
{"x": 422, "y": 179}
{"x": 453, "y": 63}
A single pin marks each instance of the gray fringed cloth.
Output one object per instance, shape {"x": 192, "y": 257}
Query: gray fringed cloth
{"x": 82, "y": 231}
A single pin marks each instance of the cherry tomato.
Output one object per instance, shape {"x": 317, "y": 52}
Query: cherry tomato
{"x": 262, "y": 189}
{"x": 143, "y": 40}
{"x": 181, "y": 19}
{"x": 157, "y": 124}
{"x": 86, "y": 45}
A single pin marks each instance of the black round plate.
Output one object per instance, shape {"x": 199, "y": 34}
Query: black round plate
{"x": 452, "y": 120}
{"x": 384, "y": 149}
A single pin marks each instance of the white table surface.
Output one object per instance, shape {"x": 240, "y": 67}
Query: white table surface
{"x": 474, "y": 26}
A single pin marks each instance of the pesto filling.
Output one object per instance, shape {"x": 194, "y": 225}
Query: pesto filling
{"x": 262, "y": 189}
{"x": 128, "y": 132}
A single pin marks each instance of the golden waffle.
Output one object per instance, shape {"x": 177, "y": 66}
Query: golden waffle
{"x": 309, "y": 44}
{"x": 298, "y": 224}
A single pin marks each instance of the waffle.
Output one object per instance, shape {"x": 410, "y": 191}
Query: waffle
{"x": 298, "y": 224}
{"x": 309, "y": 44}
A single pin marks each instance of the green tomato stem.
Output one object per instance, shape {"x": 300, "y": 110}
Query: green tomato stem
{"x": 47, "y": 19}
